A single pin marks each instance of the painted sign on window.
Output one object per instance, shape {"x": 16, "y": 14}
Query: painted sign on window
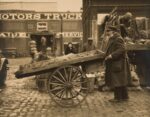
{"x": 42, "y": 26}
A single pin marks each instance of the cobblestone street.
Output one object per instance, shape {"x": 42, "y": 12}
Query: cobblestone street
{"x": 21, "y": 98}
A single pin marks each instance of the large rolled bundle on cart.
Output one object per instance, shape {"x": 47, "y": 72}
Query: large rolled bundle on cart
{"x": 45, "y": 66}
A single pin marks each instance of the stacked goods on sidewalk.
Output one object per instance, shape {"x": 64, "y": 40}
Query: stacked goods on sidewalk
{"x": 33, "y": 50}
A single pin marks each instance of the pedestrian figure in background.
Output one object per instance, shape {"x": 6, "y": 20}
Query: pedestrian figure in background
{"x": 89, "y": 45}
{"x": 70, "y": 49}
{"x": 42, "y": 53}
{"x": 3, "y": 70}
{"x": 43, "y": 44}
{"x": 116, "y": 65}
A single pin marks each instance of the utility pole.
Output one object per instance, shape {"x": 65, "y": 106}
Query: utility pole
{"x": 61, "y": 35}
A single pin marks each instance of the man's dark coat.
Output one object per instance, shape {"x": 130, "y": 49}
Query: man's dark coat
{"x": 116, "y": 72}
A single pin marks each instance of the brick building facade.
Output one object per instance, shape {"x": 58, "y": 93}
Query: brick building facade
{"x": 17, "y": 25}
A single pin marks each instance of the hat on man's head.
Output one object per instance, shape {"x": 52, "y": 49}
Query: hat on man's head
{"x": 128, "y": 15}
{"x": 112, "y": 28}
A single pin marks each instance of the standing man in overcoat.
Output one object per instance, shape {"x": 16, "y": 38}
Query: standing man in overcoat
{"x": 116, "y": 71}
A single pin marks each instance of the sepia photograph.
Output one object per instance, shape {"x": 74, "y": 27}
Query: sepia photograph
{"x": 74, "y": 58}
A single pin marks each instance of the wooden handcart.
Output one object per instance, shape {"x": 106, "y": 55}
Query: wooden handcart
{"x": 67, "y": 83}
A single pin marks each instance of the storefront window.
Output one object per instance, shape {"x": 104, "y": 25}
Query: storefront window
{"x": 72, "y": 26}
{"x": 16, "y": 26}
{"x": 31, "y": 27}
{"x": 54, "y": 26}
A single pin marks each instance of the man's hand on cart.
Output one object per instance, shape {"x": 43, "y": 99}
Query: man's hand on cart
{"x": 108, "y": 57}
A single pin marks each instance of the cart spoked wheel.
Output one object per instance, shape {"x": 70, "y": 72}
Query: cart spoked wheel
{"x": 67, "y": 86}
